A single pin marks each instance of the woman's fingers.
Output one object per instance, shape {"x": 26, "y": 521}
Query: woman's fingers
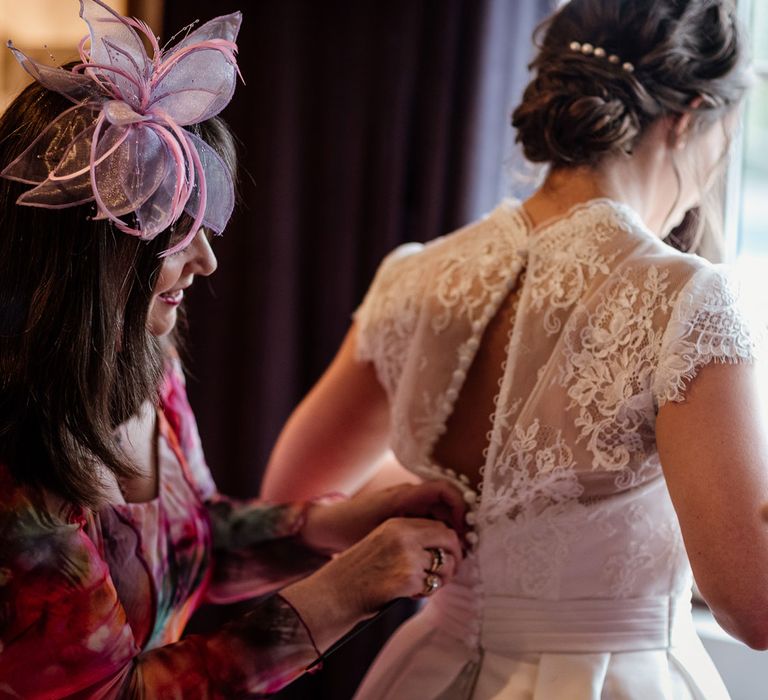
{"x": 436, "y": 534}
{"x": 402, "y": 557}
{"x": 432, "y": 583}
{"x": 434, "y": 499}
{"x": 439, "y": 561}
{"x": 394, "y": 561}
{"x": 407, "y": 541}
{"x": 450, "y": 505}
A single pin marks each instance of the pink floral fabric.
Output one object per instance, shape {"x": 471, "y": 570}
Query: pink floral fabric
{"x": 94, "y": 604}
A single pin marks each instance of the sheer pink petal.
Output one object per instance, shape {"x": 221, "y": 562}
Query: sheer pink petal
{"x": 199, "y": 211}
{"x": 123, "y": 145}
{"x": 114, "y": 42}
{"x": 74, "y": 86}
{"x": 36, "y": 163}
{"x": 132, "y": 89}
{"x": 135, "y": 165}
{"x": 220, "y": 189}
{"x": 69, "y": 183}
{"x": 102, "y": 207}
{"x": 224, "y": 27}
{"x": 183, "y": 154}
{"x": 197, "y": 86}
{"x": 76, "y": 159}
{"x": 59, "y": 194}
{"x": 156, "y": 214}
{"x": 121, "y": 113}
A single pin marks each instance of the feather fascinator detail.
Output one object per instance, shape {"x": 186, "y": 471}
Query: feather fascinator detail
{"x": 123, "y": 144}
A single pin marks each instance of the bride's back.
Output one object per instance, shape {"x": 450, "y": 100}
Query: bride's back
{"x": 531, "y": 365}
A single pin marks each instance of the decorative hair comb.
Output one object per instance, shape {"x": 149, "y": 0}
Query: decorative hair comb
{"x": 122, "y": 144}
{"x": 599, "y": 52}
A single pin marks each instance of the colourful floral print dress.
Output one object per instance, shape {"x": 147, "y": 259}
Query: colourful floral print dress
{"x": 93, "y": 604}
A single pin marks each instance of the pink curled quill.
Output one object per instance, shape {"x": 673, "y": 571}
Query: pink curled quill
{"x": 122, "y": 145}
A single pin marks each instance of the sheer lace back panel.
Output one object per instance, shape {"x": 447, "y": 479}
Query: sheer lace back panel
{"x": 606, "y": 322}
{"x": 464, "y": 445}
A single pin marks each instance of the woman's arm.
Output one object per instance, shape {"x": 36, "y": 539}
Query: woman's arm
{"x": 388, "y": 472}
{"x": 714, "y": 452}
{"x": 336, "y": 437}
{"x": 257, "y": 548}
{"x": 65, "y": 633}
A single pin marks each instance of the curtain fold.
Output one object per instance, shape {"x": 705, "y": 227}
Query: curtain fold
{"x": 363, "y": 124}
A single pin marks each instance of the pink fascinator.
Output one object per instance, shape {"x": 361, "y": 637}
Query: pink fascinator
{"x": 123, "y": 144}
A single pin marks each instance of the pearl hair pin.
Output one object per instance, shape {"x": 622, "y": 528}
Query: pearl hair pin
{"x": 599, "y": 52}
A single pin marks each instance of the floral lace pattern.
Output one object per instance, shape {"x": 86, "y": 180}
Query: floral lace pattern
{"x": 707, "y": 325}
{"x": 609, "y": 361}
{"x": 610, "y": 323}
{"x": 531, "y": 497}
{"x": 534, "y": 471}
{"x": 390, "y": 344}
{"x": 459, "y": 305}
{"x": 571, "y": 263}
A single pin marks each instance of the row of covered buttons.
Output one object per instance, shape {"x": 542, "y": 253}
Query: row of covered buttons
{"x": 470, "y": 565}
{"x": 469, "y": 494}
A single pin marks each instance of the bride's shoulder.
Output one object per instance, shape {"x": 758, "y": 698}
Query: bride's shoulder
{"x": 502, "y": 229}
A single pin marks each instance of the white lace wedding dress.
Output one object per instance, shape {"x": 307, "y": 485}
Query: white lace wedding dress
{"x": 578, "y": 586}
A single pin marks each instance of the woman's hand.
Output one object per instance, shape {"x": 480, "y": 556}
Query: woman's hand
{"x": 393, "y": 561}
{"x": 332, "y": 528}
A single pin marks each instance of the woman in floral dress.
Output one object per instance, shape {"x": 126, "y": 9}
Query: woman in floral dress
{"x": 112, "y": 532}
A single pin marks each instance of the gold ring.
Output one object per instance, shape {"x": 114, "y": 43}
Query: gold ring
{"x": 438, "y": 559}
{"x": 431, "y": 584}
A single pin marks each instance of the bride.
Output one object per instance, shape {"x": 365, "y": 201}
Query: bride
{"x": 590, "y": 388}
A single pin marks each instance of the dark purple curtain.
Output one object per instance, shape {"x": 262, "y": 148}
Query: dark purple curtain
{"x": 363, "y": 124}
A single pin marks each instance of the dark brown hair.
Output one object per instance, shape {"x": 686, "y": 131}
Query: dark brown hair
{"x": 580, "y": 108}
{"x": 76, "y": 358}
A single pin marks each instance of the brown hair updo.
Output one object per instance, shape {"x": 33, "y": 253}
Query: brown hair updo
{"x": 580, "y": 108}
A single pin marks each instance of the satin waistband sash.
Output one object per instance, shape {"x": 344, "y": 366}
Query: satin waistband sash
{"x": 507, "y": 625}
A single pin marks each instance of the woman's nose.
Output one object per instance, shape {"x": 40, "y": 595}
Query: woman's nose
{"x": 202, "y": 258}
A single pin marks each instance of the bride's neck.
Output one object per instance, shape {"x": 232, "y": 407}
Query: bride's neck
{"x": 562, "y": 190}
{"x": 644, "y": 181}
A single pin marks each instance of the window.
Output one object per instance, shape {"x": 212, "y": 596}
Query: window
{"x": 747, "y": 231}
{"x": 752, "y": 237}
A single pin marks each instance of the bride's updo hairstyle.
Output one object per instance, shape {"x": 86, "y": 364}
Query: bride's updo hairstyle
{"x": 606, "y": 69}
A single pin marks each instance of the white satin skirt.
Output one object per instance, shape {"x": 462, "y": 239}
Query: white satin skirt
{"x": 524, "y": 649}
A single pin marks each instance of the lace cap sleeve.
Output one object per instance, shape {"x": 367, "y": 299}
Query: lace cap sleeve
{"x": 709, "y": 323}
{"x": 385, "y": 283}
